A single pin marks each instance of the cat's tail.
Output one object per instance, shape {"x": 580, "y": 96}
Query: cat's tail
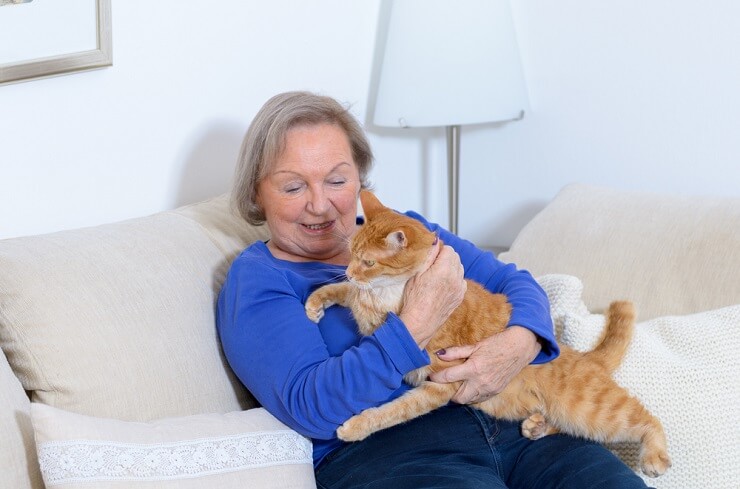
{"x": 620, "y": 324}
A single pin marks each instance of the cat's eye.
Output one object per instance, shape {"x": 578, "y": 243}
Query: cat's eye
{"x": 368, "y": 263}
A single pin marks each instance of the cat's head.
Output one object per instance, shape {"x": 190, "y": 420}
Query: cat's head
{"x": 389, "y": 248}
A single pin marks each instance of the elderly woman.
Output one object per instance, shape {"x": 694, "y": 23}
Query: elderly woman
{"x": 303, "y": 162}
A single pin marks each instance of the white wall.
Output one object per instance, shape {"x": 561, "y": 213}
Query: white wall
{"x": 163, "y": 125}
{"x": 636, "y": 95}
{"x": 631, "y": 94}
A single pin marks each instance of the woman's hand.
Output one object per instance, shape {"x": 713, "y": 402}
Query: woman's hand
{"x": 490, "y": 364}
{"x": 432, "y": 294}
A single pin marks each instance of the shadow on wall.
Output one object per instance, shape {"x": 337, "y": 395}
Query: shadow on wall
{"x": 208, "y": 165}
{"x": 419, "y": 143}
{"x": 501, "y": 234}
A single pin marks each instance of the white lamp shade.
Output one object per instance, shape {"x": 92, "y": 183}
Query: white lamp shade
{"x": 449, "y": 62}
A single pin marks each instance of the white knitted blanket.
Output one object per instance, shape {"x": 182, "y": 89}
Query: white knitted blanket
{"x": 685, "y": 369}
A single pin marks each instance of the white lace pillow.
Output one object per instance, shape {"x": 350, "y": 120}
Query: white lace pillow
{"x": 234, "y": 450}
{"x": 685, "y": 369}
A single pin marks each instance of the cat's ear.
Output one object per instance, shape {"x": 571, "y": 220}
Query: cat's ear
{"x": 370, "y": 204}
{"x": 396, "y": 240}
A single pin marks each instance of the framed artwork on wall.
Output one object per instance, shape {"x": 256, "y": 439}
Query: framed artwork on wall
{"x": 40, "y": 38}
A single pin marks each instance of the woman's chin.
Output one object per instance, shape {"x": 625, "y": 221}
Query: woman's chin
{"x": 329, "y": 251}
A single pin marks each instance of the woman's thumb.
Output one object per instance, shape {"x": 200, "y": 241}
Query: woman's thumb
{"x": 455, "y": 353}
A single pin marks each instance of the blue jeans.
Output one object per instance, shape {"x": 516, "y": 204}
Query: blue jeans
{"x": 458, "y": 447}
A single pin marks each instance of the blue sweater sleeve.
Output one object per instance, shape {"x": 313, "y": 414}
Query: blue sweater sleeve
{"x": 530, "y": 306}
{"x": 285, "y": 361}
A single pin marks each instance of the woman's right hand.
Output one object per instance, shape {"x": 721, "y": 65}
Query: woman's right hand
{"x": 432, "y": 294}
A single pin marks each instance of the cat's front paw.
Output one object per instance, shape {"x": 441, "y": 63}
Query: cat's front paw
{"x": 655, "y": 464}
{"x": 536, "y": 427}
{"x": 355, "y": 428}
{"x": 314, "y": 309}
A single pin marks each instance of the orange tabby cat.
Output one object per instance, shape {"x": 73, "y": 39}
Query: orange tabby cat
{"x": 573, "y": 394}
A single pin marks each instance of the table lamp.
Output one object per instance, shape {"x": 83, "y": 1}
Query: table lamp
{"x": 448, "y": 63}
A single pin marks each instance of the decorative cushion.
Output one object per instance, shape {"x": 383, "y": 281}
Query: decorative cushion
{"x": 668, "y": 254}
{"x": 685, "y": 369}
{"x": 118, "y": 320}
{"x": 234, "y": 450}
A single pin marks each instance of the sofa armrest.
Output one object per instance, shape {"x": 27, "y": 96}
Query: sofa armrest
{"x": 20, "y": 467}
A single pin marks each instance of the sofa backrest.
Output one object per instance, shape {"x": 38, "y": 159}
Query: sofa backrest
{"x": 671, "y": 255}
{"x": 118, "y": 320}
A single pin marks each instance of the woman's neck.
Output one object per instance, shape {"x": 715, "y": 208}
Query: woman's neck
{"x": 342, "y": 258}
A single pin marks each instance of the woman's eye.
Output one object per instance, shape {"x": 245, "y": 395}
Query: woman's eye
{"x": 368, "y": 263}
{"x": 291, "y": 190}
{"x": 337, "y": 182}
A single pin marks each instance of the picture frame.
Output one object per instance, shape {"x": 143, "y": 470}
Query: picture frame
{"x": 98, "y": 57}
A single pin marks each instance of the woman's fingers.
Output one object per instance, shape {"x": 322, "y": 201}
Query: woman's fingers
{"x": 490, "y": 364}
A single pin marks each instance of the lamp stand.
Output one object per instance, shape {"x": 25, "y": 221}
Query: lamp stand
{"x": 453, "y": 179}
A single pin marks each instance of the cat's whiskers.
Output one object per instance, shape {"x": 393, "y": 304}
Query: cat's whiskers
{"x": 364, "y": 286}
{"x": 341, "y": 276}
{"x": 342, "y": 236}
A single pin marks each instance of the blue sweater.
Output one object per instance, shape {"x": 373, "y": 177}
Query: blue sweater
{"x": 315, "y": 377}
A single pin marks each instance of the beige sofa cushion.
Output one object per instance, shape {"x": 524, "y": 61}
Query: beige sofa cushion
{"x": 118, "y": 320}
{"x": 670, "y": 255}
{"x": 20, "y": 468}
{"x": 226, "y": 451}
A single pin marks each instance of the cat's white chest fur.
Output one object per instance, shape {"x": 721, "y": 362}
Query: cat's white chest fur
{"x": 387, "y": 298}
{"x": 377, "y": 302}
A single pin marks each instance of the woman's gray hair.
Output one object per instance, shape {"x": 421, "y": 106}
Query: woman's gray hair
{"x": 265, "y": 140}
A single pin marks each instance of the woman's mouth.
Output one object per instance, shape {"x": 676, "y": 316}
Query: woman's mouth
{"x": 318, "y": 227}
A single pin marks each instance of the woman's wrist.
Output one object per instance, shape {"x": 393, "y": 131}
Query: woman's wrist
{"x": 530, "y": 342}
{"x": 420, "y": 335}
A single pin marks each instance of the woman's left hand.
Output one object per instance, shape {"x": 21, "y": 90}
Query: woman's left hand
{"x": 489, "y": 364}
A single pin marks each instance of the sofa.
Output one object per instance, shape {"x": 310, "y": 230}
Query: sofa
{"x": 112, "y": 375}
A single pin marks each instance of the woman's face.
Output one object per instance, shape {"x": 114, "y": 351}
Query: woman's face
{"x": 309, "y": 196}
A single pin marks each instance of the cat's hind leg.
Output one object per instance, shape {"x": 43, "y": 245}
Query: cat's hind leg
{"x": 618, "y": 417}
{"x": 654, "y": 458}
{"x": 536, "y": 427}
{"x": 420, "y": 400}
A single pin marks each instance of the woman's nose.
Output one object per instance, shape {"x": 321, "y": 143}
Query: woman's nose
{"x": 318, "y": 203}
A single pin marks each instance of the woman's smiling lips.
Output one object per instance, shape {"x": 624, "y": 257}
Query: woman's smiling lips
{"x": 318, "y": 227}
